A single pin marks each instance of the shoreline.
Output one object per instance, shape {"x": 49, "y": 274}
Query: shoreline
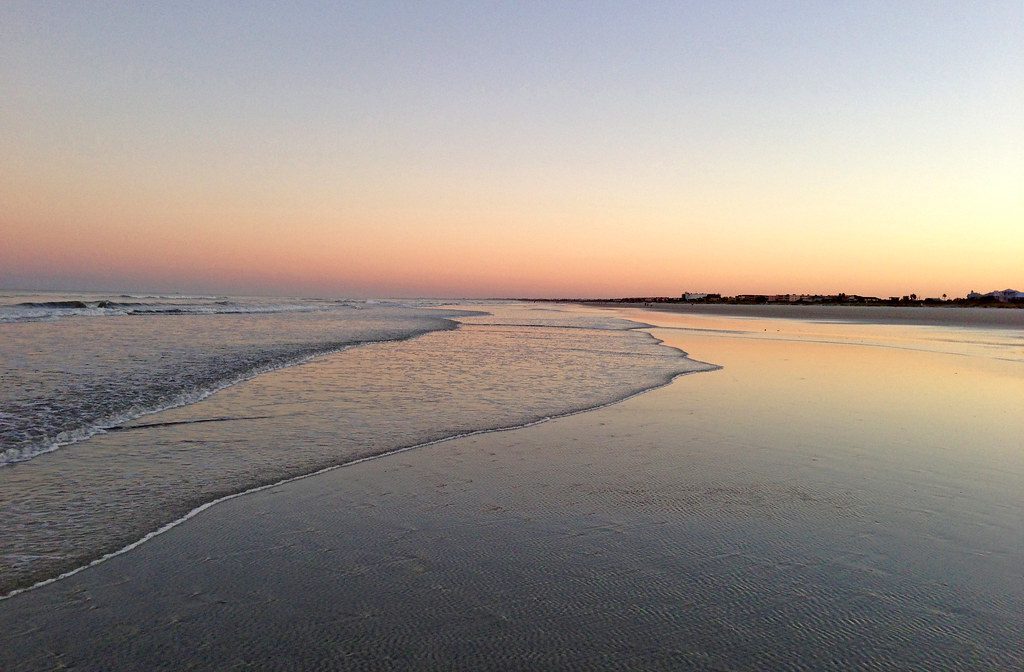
{"x": 686, "y": 529}
{"x": 189, "y": 397}
{"x": 196, "y": 510}
{"x": 951, "y": 316}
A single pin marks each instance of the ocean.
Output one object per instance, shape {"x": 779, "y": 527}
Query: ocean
{"x": 93, "y": 457}
{"x": 233, "y": 483}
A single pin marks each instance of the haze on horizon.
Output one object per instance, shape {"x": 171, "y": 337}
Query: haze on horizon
{"x": 512, "y": 149}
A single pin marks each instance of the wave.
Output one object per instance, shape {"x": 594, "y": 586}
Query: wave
{"x": 166, "y": 304}
{"x": 172, "y": 423}
{"x": 698, "y": 367}
{"x": 177, "y": 297}
{"x": 53, "y": 304}
{"x": 36, "y": 311}
{"x": 192, "y": 395}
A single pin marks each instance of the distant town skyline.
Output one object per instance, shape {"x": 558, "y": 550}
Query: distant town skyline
{"x": 512, "y": 149}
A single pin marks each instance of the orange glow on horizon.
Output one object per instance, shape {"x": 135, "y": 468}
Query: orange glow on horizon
{"x": 462, "y": 164}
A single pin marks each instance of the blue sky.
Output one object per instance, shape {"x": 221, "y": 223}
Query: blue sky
{"x": 199, "y": 124}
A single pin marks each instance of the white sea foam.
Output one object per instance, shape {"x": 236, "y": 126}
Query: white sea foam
{"x": 68, "y": 382}
{"x": 493, "y": 374}
{"x": 48, "y": 311}
{"x": 183, "y": 398}
{"x": 701, "y": 367}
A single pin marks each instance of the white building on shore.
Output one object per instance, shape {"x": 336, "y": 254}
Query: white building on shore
{"x": 1006, "y": 295}
{"x": 1001, "y": 295}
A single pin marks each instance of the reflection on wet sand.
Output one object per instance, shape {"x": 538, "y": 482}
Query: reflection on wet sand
{"x": 67, "y": 508}
{"x": 824, "y": 501}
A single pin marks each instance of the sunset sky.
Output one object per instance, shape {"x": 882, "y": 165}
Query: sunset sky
{"x": 512, "y": 149}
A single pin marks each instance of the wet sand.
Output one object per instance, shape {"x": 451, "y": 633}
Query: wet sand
{"x": 69, "y": 507}
{"x": 818, "y": 503}
{"x": 951, "y": 316}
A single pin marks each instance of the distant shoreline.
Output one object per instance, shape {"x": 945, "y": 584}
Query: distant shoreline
{"x": 956, "y": 316}
{"x": 842, "y": 300}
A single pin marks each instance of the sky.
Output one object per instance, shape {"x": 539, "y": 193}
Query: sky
{"x": 487, "y": 149}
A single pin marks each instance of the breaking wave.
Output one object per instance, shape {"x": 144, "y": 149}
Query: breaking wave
{"x": 70, "y": 382}
{"x": 35, "y": 311}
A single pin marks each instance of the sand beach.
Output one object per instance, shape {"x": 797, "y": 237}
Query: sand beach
{"x": 823, "y": 501}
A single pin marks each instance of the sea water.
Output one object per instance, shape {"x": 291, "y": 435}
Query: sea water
{"x": 108, "y": 429}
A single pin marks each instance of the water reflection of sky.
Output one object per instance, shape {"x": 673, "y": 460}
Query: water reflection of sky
{"x": 1007, "y": 344}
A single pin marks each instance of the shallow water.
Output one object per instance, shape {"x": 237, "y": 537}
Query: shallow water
{"x": 71, "y": 365}
{"x": 64, "y": 508}
{"x": 816, "y": 504}
{"x": 951, "y": 316}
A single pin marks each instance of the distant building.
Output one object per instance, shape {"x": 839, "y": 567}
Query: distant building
{"x": 701, "y": 296}
{"x": 1001, "y": 295}
{"x": 1005, "y": 295}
